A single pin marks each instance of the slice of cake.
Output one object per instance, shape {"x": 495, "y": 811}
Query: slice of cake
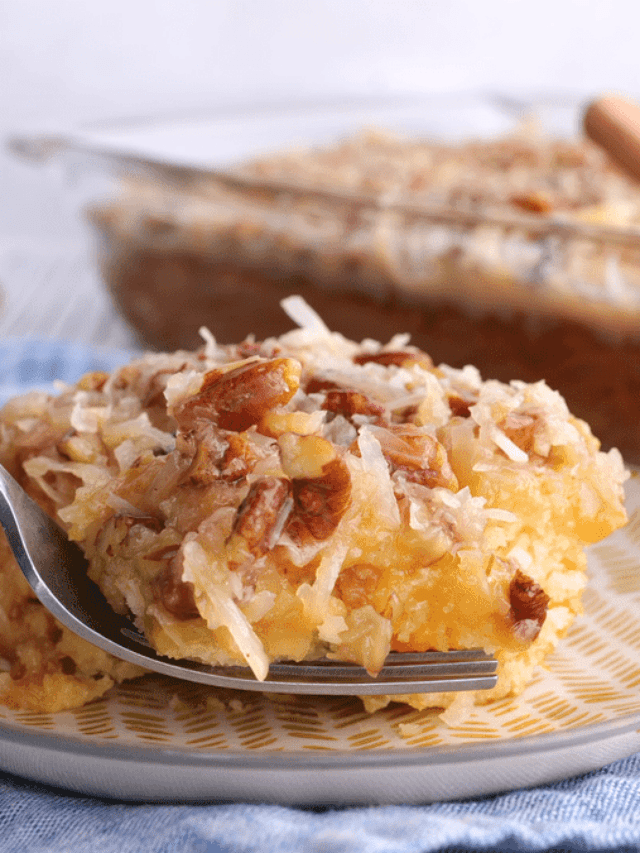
{"x": 44, "y": 667}
{"x": 308, "y": 496}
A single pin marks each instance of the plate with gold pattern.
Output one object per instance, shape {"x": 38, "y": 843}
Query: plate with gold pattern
{"x": 160, "y": 740}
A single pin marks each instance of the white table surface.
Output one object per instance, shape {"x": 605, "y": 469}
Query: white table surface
{"x": 55, "y": 293}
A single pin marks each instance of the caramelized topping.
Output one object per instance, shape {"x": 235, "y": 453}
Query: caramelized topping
{"x": 321, "y": 485}
{"x": 528, "y": 606}
{"x": 239, "y": 398}
{"x": 350, "y": 403}
{"x": 174, "y": 594}
{"x": 399, "y": 358}
{"x": 262, "y": 515}
{"x": 320, "y": 502}
{"x": 533, "y": 202}
{"x": 419, "y": 456}
{"x": 460, "y": 407}
{"x": 357, "y": 584}
{"x": 520, "y": 428}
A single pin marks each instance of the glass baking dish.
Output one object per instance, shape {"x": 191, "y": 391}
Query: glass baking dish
{"x": 212, "y": 220}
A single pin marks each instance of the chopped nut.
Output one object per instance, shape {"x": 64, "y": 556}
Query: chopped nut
{"x": 262, "y": 515}
{"x": 521, "y": 429}
{"x": 93, "y": 381}
{"x": 265, "y": 349}
{"x": 68, "y": 665}
{"x": 129, "y": 521}
{"x": 174, "y": 594}
{"x": 157, "y": 383}
{"x": 247, "y": 349}
{"x": 356, "y": 584}
{"x": 460, "y": 407}
{"x": 318, "y": 383}
{"x": 534, "y": 202}
{"x": 163, "y": 553}
{"x": 350, "y": 403}
{"x": 419, "y": 456}
{"x": 215, "y": 455}
{"x": 239, "y": 458}
{"x": 126, "y": 376}
{"x": 399, "y": 358}
{"x": 276, "y": 424}
{"x": 239, "y": 398}
{"x": 528, "y": 606}
{"x": 321, "y": 485}
{"x": 120, "y": 531}
{"x": 206, "y": 449}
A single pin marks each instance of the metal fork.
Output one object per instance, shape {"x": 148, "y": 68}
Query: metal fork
{"x": 56, "y": 570}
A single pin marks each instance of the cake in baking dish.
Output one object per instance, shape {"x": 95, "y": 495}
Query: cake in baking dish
{"x": 519, "y": 255}
{"x": 307, "y": 496}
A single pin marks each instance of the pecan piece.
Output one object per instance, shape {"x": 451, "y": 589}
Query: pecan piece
{"x": 460, "y": 407}
{"x": 321, "y": 485}
{"x": 399, "y": 358}
{"x": 528, "y": 606}
{"x": 238, "y": 398}
{"x": 262, "y": 515}
{"x": 215, "y": 455}
{"x": 239, "y": 458}
{"x": 356, "y": 585}
{"x": 68, "y": 665}
{"x": 533, "y": 202}
{"x": 350, "y": 403}
{"x": 93, "y": 381}
{"x": 419, "y": 456}
{"x": 521, "y": 429}
{"x": 247, "y": 349}
{"x": 317, "y": 383}
{"x": 151, "y": 522}
{"x": 154, "y": 393}
{"x": 205, "y": 447}
{"x": 174, "y": 594}
{"x": 162, "y": 553}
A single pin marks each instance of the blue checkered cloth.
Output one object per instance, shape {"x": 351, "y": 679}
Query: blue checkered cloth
{"x": 596, "y": 812}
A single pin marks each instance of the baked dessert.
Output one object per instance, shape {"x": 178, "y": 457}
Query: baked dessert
{"x": 308, "y": 495}
{"x": 44, "y": 667}
{"x": 518, "y": 255}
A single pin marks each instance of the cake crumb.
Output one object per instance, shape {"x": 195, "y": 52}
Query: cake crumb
{"x": 458, "y": 711}
{"x": 408, "y": 730}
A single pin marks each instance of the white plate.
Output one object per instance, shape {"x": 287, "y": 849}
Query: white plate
{"x": 157, "y": 739}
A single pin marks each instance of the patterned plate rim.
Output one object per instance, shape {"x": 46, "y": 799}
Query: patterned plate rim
{"x": 291, "y": 759}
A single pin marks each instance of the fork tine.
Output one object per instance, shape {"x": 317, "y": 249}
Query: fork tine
{"x": 427, "y": 672}
{"x": 416, "y": 665}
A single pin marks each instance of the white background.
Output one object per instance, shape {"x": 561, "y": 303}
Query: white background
{"x": 69, "y": 61}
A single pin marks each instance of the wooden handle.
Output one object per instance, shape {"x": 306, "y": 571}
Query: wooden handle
{"x": 613, "y": 123}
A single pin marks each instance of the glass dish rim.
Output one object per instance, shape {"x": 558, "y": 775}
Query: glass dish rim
{"x": 43, "y": 147}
